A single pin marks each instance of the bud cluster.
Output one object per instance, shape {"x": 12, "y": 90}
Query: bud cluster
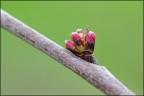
{"x": 82, "y": 43}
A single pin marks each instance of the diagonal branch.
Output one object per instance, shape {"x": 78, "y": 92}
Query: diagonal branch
{"x": 96, "y": 75}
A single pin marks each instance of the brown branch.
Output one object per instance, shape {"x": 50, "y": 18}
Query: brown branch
{"x": 96, "y": 75}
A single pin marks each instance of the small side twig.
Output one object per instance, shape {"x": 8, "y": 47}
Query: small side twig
{"x": 97, "y": 75}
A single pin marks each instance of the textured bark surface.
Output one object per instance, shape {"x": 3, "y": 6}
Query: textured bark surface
{"x": 97, "y": 75}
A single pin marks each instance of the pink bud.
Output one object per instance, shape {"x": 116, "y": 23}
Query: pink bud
{"x": 90, "y": 41}
{"x": 90, "y": 38}
{"x": 70, "y": 44}
{"x": 75, "y": 36}
{"x": 72, "y": 47}
{"x": 78, "y": 41}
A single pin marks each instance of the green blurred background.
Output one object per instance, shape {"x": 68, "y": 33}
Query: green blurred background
{"x": 119, "y": 47}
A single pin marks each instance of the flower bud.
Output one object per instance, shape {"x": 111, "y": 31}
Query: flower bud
{"x": 75, "y": 37}
{"x": 78, "y": 41}
{"x": 90, "y": 37}
{"x": 90, "y": 41}
{"x": 71, "y": 46}
{"x": 82, "y": 35}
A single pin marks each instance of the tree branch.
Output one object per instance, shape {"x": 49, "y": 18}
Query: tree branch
{"x": 96, "y": 75}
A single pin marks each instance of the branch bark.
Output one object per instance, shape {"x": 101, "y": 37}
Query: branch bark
{"x": 96, "y": 75}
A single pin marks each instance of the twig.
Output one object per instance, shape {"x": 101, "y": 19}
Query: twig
{"x": 97, "y": 75}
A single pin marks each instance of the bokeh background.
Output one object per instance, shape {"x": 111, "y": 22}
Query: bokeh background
{"x": 119, "y": 47}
